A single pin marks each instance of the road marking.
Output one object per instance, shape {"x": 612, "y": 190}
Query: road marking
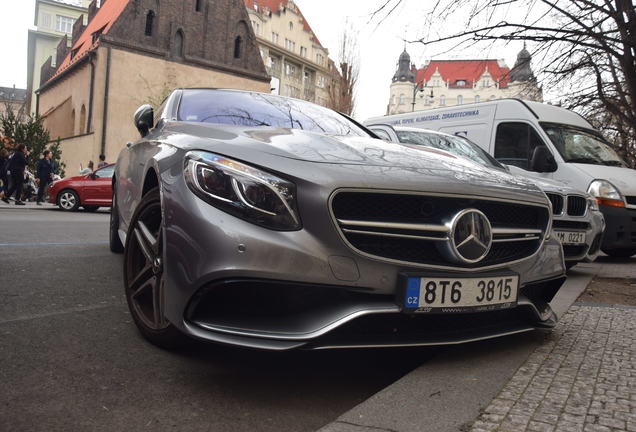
{"x": 54, "y": 244}
{"x": 62, "y": 312}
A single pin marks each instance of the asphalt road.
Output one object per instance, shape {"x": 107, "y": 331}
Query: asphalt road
{"x": 71, "y": 359}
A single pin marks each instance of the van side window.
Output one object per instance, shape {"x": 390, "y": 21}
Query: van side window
{"x": 515, "y": 144}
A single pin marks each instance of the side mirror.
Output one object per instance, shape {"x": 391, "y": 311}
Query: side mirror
{"x": 542, "y": 160}
{"x": 144, "y": 119}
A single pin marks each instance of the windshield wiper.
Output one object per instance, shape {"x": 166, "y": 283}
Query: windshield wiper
{"x": 585, "y": 160}
{"x": 613, "y": 163}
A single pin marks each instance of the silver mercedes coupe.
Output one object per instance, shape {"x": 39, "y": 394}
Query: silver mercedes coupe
{"x": 268, "y": 222}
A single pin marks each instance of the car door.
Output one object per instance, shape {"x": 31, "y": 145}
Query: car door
{"x": 98, "y": 187}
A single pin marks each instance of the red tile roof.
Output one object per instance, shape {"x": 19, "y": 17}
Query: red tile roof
{"x": 103, "y": 20}
{"x": 468, "y": 70}
{"x": 275, "y": 6}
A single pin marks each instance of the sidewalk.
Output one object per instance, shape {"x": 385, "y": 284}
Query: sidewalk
{"x": 579, "y": 377}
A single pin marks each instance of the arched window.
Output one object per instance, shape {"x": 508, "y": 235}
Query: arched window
{"x": 460, "y": 99}
{"x": 197, "y": 6}
{"x": 150, "y": 20}
{"x": 238, "y": 42}
{"x": 442, "y": 100}
{"x": 477, "y": 98}
{"x": 178, "y": 44}
{"x": 82, "y": 124}
{"x": 291, "y": 25}
{"x": 72, "y": 123}
{"x": 402, "y": 99}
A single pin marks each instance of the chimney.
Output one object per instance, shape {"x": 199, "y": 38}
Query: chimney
{"x": 92, "y": 10}
{"x": 46, "y": 71}
{"x": 62, "y": 51}
{"x": 78, "y": 28}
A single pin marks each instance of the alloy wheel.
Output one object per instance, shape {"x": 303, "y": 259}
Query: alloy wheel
{"x": 68, "y": 200}
{"x": 144, "y": 269}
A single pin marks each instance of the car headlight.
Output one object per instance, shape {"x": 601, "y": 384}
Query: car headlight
{"x": 243, "y": 191}
{"x": 606, "y": 194}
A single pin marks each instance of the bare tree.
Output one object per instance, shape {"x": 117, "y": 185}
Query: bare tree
{"x": 343, "y": 87}
{"x": 586, "y": 50}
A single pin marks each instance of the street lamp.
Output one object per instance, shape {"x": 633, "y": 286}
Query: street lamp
{"x": 419, "y": 87}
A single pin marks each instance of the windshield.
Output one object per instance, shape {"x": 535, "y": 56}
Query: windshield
{"x": 456, "y": 145}
{"x": 579, "y": 146}
{"x": 259, "y": 109}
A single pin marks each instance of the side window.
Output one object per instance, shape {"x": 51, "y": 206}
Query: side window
{"x": 382, "y": 134}
{"x": 515, "y": 144}
{"x": 105, "y": 172}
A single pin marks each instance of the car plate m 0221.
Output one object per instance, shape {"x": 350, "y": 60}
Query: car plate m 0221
{"x": 439, "y": 294}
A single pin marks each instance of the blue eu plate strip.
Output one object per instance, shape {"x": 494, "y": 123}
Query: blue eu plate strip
{"x": 412, "y": 299}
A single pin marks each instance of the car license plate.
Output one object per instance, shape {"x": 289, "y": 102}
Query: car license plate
{"x": 570, "y": 237}
{"x": 448, "y": 295}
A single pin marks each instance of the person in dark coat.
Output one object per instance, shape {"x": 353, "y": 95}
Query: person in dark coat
{"x": 46, "y": 170}
{"x": 102, "y": 161}
{"x": 17, "y": 165}
{"x": 4, "y": 160}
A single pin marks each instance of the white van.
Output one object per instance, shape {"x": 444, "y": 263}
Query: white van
{"x": 545, "y": 141}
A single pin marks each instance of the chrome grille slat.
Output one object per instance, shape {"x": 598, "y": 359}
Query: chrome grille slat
{"x": 395, "y": 225}
{"x": 385, "y": 234}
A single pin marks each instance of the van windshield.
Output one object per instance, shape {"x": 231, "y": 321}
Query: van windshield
{"x": 579, "y": 146}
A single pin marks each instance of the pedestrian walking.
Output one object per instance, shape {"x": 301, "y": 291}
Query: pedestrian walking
{"x": 17, "y": 165}
{"x": 4, "y": 181}
{"x": 102, "y": 161}
{"x": 46, "y": 171}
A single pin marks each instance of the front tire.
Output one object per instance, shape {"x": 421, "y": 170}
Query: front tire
{"x": 144, "y": 277}
{"x": 68, "y": 200}
{"x": 620, "y": 253}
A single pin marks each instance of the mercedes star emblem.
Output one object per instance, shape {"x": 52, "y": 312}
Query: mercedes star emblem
{"x": 470, "y": 236}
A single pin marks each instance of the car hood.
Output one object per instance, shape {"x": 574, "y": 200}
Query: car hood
{"x": 370, "y": 155}
{"x": 623, "y": 178}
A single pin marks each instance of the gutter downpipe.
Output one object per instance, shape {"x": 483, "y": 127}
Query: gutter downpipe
{"x": 90, "y": 95}
{"x": 105, "y": 116}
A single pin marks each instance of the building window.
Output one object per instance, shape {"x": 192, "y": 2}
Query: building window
{"x": 477, "y": 98}
{"x": 442, "y": 100}
{"x": 237, "y": 47}
{"x": 460, "y": 83}
{"x": 64, "y": 24}
{"x": 320, "y": 59}
{"x": 291, "y": 25}
{"x": 45, "y": 20}
{"x": 197, "y": 6}
{"x": 82, "y": 124}
{"x": 178, "y": 44}
{"x": 460, "y": 99}
{"x": 402, "y": 99}
{"x": 150, "y": 19}
{"x": 290, "y": 45}
{"x": 321, "y": 81}
{"x": 275, "y": 37}
{"x": 303, "y": 51}
{"x": 486, "y": 82}
{"x": 72, "y": 123}
{"x": 290, "y": 69}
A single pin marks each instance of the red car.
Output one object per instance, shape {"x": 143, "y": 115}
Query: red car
{"x": 91, "y": 191}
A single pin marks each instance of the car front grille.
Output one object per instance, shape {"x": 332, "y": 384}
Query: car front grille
{"x": 631, "y": 200}
{"x": 414, "y": 228}
{"x": 577, "y": 205}
{"x": 557, "y": 203}
{"x": 573, "y": 250}
{"x": 563, "y": 224}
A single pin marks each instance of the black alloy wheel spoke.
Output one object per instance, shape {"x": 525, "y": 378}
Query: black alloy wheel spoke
{"x": 147, "y": 242}
{"x": 139, "y": 283}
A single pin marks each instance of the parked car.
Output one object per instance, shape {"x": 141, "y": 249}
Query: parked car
{"x": 269, "y": 222}
{"x": 576, "y": 219}
{"x": 90, "y": 191}
{"x": 548, "y": 142}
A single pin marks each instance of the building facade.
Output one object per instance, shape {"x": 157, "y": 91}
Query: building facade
{"x": 13, "y": 99}
{"x": 53, "y": 20}
{"x": 133, "y": 52}
{"x": 442, "y": 83}
{"x": 298, "y": 64}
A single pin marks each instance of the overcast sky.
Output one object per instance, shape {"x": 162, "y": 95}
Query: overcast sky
{"x": 379, "y": 46}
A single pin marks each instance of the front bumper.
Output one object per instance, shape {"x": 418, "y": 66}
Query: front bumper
{"x": 592, "y": 225}
{"x": 232, "y": 282}
{"x": 620, "y": 229}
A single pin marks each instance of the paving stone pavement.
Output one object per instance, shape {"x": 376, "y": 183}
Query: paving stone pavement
{"x": 582, "y": 378}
